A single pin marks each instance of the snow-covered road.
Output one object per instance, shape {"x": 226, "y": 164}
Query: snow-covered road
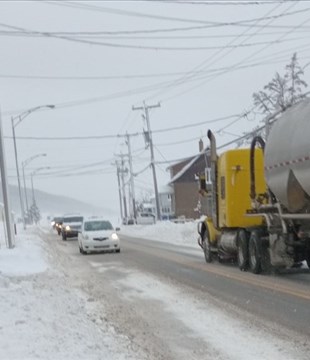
{"x": 56, "y": 304}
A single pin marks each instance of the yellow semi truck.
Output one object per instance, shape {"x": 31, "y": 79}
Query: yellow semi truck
{"x": 257, "y": 200}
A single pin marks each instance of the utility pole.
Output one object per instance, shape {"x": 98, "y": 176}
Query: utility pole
{"x": 5, "y": 192}
{"x": 147, "y": 118}
{"x": 119, "y": 189}
{"x": 132, "y": 185}
{"x": 18, "y": 178}
{"x": 122, "y": 171}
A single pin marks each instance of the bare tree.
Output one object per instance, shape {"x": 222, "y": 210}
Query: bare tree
{"x": 282, "y": 92}
{"x": 294, "y": 81}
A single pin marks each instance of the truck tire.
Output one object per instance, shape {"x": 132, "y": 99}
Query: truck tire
{"x": 207, "y": 246}
{"x": 255, "y": 252}
{"x": 243, "y": 250}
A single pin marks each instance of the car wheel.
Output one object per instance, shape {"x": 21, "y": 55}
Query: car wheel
{"x": 207, "y": 246}
{"x": 118, "y": 250}
{"x": 243, "y": 250}
{"x": 255, "y": 252}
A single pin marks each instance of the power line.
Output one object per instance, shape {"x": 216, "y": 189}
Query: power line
{"x": 168, "y": 18}
{"x": 205, "y": 63}
{"x": 223, "y": 2}
{"x": 100, "y": 137}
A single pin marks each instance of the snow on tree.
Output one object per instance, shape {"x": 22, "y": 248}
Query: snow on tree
{"x": 279, "y": 94}
{"x": 282, "y": 92}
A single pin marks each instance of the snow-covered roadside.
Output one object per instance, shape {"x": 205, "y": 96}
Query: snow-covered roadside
{"x": 42, "y": 317}
{"x": 175, "y": 233}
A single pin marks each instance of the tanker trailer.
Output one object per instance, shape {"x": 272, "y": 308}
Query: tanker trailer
{"x": 259, "y": 198}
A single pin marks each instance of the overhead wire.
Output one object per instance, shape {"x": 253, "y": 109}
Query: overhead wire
{"x": 232, "y": 68}
{"x": 99, "y": 137}
{"x": 202, "y": 65}
{"x": 127, "y": 13}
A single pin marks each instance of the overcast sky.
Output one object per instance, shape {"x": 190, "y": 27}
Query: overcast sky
{"x": 95, "y": 60}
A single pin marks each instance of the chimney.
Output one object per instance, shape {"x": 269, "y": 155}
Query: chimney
{"x": 200, "y": 145}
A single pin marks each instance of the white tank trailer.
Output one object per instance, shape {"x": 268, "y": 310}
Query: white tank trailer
{"x": 287, "y": 173}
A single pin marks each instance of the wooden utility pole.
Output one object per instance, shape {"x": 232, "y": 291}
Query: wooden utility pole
{"x": 146, "y": 108}
{"x": 121, "y": 172}
{"x": 5, "y": 192}
{"x": 132, "y": 185}
{"x": 119, "y": 189}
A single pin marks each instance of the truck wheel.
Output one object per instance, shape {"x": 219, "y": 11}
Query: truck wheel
{"x": 255, "y": 252}
{"x": 207, "y": 246}
{"x": 243, "y": 250}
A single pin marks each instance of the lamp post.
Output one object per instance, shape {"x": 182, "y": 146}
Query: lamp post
{"x": 24, "y": 164}
{"x": 32, "y": 174}
{"x": 15, "y": 121}
{"x": 32, "y": 188}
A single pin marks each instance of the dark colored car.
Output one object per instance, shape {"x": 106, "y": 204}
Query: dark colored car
{"x": 56, "y": 223}
{"x": 71, "y": 225}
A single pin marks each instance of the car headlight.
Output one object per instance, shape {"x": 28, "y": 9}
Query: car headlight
{"x": 53, "y": 223}
{"x": 68, "y": 228}
{"x": 114, "y": 236}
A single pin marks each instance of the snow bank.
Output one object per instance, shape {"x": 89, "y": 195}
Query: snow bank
{"x": 166, "y": 231}
{"x": 26, "y": 258}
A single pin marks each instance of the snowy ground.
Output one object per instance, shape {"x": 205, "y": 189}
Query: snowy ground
{"x": 169, "y": 232}
{"x": 44, "y": 316}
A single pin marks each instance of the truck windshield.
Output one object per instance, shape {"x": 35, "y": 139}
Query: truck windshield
{"x": 73, "y": 219}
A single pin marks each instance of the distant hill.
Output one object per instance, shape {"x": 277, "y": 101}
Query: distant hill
{"x": 52, "y": 204}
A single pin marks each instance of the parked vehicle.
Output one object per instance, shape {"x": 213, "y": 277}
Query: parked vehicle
{"x": 145, "y": 218}
{"x": 97, "y": 235}
{"x": 258, "y": 199}
{"x": 71, "y": 225}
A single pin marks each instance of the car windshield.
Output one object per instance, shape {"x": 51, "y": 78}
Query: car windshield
{"x": 73, "y": 219}
{"x": 97, "y": 225}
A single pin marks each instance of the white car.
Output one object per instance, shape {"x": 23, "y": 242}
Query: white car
{"x": 146, "y": 218}
{"x": 97, "y": 235}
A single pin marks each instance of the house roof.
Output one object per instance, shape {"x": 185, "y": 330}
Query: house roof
{"x": 187, "y": 166}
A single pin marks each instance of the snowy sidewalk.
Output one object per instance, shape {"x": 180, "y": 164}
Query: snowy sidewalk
{"x": 42, "y": 317}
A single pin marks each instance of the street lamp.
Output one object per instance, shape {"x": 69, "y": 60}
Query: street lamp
{"x": 15, "y": 121}
{"x": 24, "y": 164}
{"x": 31, "y": 175}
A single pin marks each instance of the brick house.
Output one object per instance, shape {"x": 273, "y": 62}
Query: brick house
{"x": 185, "y": 185}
